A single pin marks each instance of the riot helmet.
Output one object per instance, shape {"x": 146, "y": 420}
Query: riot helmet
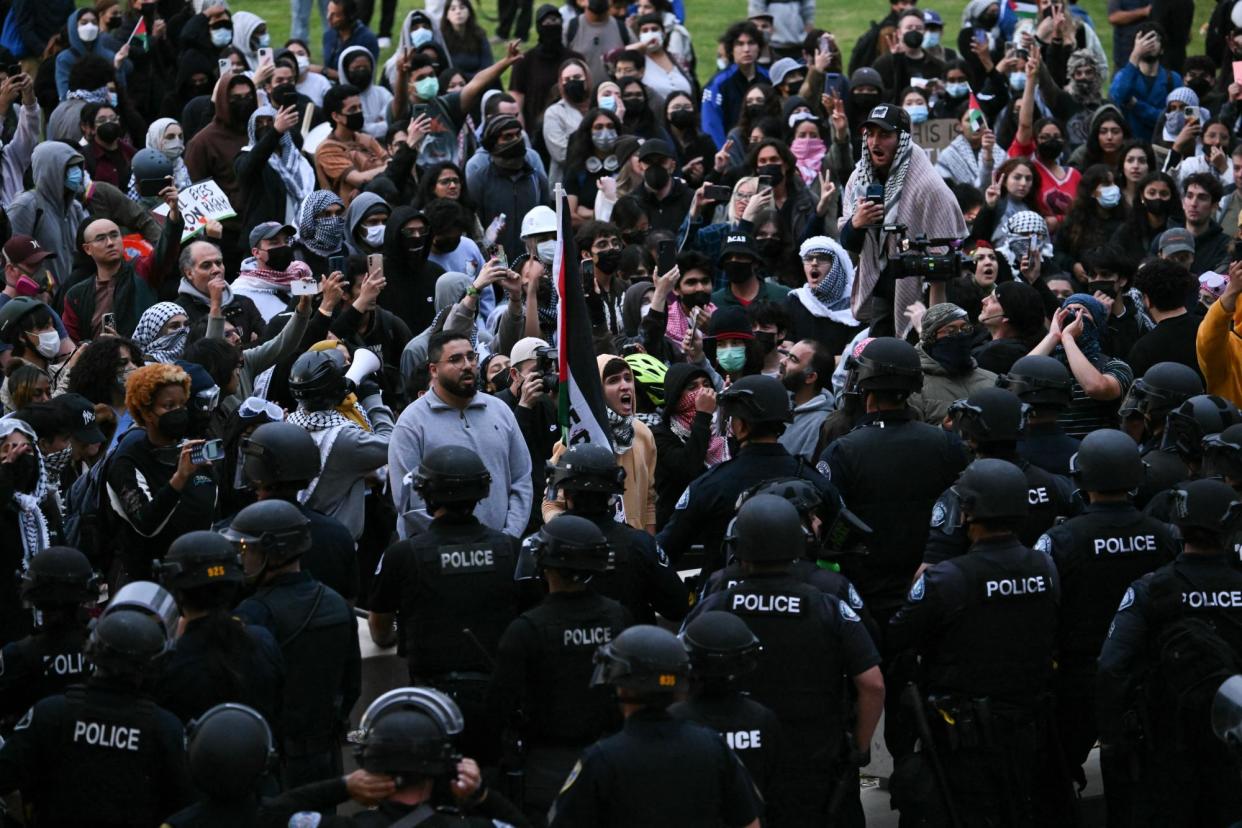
{"x": 199, "y": 559}
{"x": 767, "y": 529}
{"x": 889, "y": 364}
{"x": 568, "y": 543}
{"x": 756, "y": 399}
{"x": 59, "y": 576}
{"x": 1108, "y": 460}
{"x": 992, "y": 490}
{"x": 124, "y": 642}
{"x": 644, "y": 659}
{"x": 151, "y": 169}
{"x": 721, "y": 647}
{"x": 277, "y": 453}
{"x": 451, "y": 475}
{"x": 274, "y": 530}
{"x": 989, "y": 415}
{"x": 410, "y": 732}
{"x": 1210, "y": 505}
{"x": 1222, "y": 454}
{"x": 586, "y": 467}
{"x": 1164, "y": 387}
{"x": 150, "y": 598}
{"x": 1039, "y": 381}
{"x": 229, "y": 750}
{"x": 1196, "y": 418}
{"x": 317, "y": 379}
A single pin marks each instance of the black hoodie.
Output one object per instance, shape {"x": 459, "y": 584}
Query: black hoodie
{"x": 678, "y": 461}
{"x": 410, "y": 292}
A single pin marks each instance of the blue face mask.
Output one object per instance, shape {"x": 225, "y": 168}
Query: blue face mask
{"x": 420, "y": 38}
{"x": 75, "y": 179}
{"x": 1017, "y": 81}
{"x": 221, "y": 37}
{"x": 957, "y": 90}
{"x": 265, "y": 41}
{"x": 931, "y": 39}
{"x": 917, "y": 113}
{"x": 608, "y": 104}
{"x": 1109, "y": 196}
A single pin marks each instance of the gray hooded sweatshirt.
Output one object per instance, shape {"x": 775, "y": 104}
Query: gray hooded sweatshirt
{"x": 362, "y": 204}
{"x": 49, "y": 212}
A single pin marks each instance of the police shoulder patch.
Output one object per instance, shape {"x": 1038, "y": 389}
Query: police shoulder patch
{"x": 856, "y": 600}
{"x": 25, "y": 720}
{"x": 1044, "y": 544}
{"x": 1127, "y": 599}
{"x": 847, "y": 612}
{"x": 683, "y": 500}
{"x": 938, "y": 515}
{"x": 661, "y": 556}
{"x": 573, "y": 776}
{"x": 823, "y": 468}
{"x": 918, "y": 590}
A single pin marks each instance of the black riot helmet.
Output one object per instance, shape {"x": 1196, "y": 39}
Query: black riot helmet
{"x": 59, "y": 576}
{"x": 152, "y": 169}
{"x": 1210, "y": 505}
{"x": 124, "y": 642}
{"x": 839, "y": 530}
{"x": 317, "y": 379}
{"x": 889, "y": 364}
{"x": 721, "y": 647}
{"x": 1108, "y": 460}
{"x": 756, "y": 399}
{"x": 1040, "y": 382}
{"x": 410, "y": 732}
{"x": 150, "y": 598}
{"x": 199, "y": 559}
{"x": 451, "y": 475}
{"x": 277, "y": 453}
{"x": 230, "y": 750}
{"x": 1196, "y": 418}
{"x": 587, "y": 467}
{"x": 646, "y": 660}
{"x": 1164, "y": 387}
{"x": 274, "y": 529}
{"x": 993, "y": 490}
{"x": 989, "y": 415}
{"x": 1222, "y": 454}
{"x": 767, "y": 529}
{"x": 568, "y": 543}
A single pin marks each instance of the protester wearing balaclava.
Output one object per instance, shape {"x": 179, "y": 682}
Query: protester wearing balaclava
{"x": 321, "y": 230}
{"x": 949, "y": 371}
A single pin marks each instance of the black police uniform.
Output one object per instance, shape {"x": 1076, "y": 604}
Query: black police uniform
{"x": 317, "y": 635}
{"x": 811, "y": 643}
{"x": 1188, "y": 776}
{"x": 453, "y": 591}
{"x": 302, "y": 808}
{"x": 541, "y": 687}
{"x": 1050, "y": 496}
{"x": 985, "y": 624}
{"x": 211, "y": 814}
{"x": 41, "y": 665}
{"x": 1048, "y": 446}
{"x": 97, "y": 755}
{"x": 658, "y": 771}
{"x": 192, "y": 681}
{"x": 332, "y": 558}
{"x": 751, "y": 730}
{"x": 639, "y": 574}
{"x": 703, "y": 512}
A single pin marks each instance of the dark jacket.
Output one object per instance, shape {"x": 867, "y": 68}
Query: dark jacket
{"x": 261, "y": 192}
{"x": 410, "y": 292}
{"x": 211, "y": 152}
{"x": 38, "y": 20}
{"x": 678, "y": 461}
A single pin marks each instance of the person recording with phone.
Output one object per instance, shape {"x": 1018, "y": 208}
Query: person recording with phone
{"x": 530, "y": 396}
{"x": 362, "y": 323}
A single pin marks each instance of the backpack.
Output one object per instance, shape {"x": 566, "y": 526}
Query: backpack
{"x": 1192, "y": 661}
{"x": 87, "y": 512}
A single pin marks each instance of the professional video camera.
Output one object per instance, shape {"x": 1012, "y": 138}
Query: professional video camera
{"x": 916, "y": 261}
{"x": 546, "y": 368}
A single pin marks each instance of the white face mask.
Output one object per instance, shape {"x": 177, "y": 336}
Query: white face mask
{"x": 49, "y": 344}
{"x": 651, "y": 40}
{"x": 88, "y": 32}
{"x": 545, "y": 250}
{"x": 173, "y": 147}
{"x": 303, "y": 64}
{"x": 375, "y": 235}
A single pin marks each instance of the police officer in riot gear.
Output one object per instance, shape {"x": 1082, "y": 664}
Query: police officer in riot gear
{"x": 1098, "y": 554}
{"x": 541, "y": 689}
{"x": 59, "y": 585}
{"x": 1222, "y": 457}
{"x": 278, "y": 461}
{"x": 101, "y": 754}
{"x": 660, "y": 770}
{"x": 215, "y": 658}
{"x": 1185, "y": 430}
{"x": 639, "y": 574}
{"x": 450, "y": 591}
{"x": 990, "y": 422}
{"x": 985, "y": 626}
{"x": 314, "y": 628}
{"x": 231, "y": 754}
{"x": 722, "y": 652}
{"x": 1044, "y": 384}
{"x": 407, "y": 749}
{"x": 1176, "y": 636}
{"x": 1164, "y": 387}
{"x": 812, "y": 643}
{"x": 757, "y": 409}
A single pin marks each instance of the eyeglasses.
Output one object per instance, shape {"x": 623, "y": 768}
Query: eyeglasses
{"x": 458, "y": 359}
{"x": 817, "y": 258}
{"x": 449, "y": 182}
{"x": 115, "y": 235}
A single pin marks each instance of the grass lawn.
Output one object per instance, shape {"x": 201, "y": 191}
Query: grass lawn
{"x": 707, "y": 19}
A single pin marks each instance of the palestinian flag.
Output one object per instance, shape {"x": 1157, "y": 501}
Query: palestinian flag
{"x": 1023, "y": 11}
{"x": 580, "y": 403}
{"x": 974, "y": 115}
{"x": 140, "y": 33}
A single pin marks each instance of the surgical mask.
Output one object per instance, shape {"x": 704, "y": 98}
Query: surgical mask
{"x": 265, "y": 41}
{"x": 88, "y": 32}
{"x": 1175, "y": 121}
{"x": 49, "y": 344}
{"x": 173, "y": 148}
{"x": 375, "y": 235}
{"x": 952, "y": 352}
{"x": 174, "y": 424}
{"x": 75, "y": 179}
{"x": 420, "y": 38}
{"x": 912, "y": 39}
{"x": 917, "y": 113}
{"x": 303, "y": 64}
{"x": 1109, "y": 196}
{"x": 604, "y": 139}
{"x": 931, "y": 40}
{"x": 731, "y": 358}
{"x": 1158, "y": 207}
{"x": 1017, "y": 81}
{"x": 651, "y": 40}
{"x": 221, "y": 37}
{"x": 957, "y": 90}
{"x": 608, "y": 104}
{"x": 427, "y": 88}
{"x": 545, "y": 250}
{"x": 354, "y": 121}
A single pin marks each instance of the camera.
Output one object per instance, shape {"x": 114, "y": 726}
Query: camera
{"x": 546, "y": 368}
{"x": 915, "y": 260}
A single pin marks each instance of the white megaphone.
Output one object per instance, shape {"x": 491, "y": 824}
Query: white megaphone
{"x": 365, "y": 363}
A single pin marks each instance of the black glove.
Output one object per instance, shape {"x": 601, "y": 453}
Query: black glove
{"x": 368, "y": 387}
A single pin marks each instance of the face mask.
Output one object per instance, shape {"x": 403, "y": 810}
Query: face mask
{"x": 912, "y": 39}
{"x": 1109, "y": 196}
{"x": 375, "y": 235}
{"x": 265, "y": 41}
{"x": 1107, "y": 288}
{"x": 240, "y": 109}
{"x": 721, "y": 64}
{"x": 427, "y": 88}
{"x": 608, "y": 261}
{"x": 1158, "y": 207}
{"x": 420, "y": 38}
{"x": 681, "y": 118}
{"x": 303, "y": 64}
{"x": 221, "y": 37}
{"x": 988, "y": 21}
{"x": 24, "y": 472}
{"x": 75, "y": 179}
{"x": 769, "y": 248}
{"x": 634, "y": 107}
{"x": 88, "y": 32}
{"x": 279, "y": 258}
{"x": 865, "y": 100}
{"x": 738, "y": 272}
{"x": 331, "y": 231}
{"x": 957, "y": 90}
{"x": 112, "y": 23}
{"x": 1017, "y": 81}
{"x": 604, "y": 139}
{"x": 952, "y": 352}
{"x": 917, "y": 113}
{"x": 1201, "y": 86}
{"x": 174, "y": 424}
{"x": 1051, "y": 149}
{"x": 773, "y": 171}
{"x": 550, "y": 35}
{"x": 414, "y": 245}
{"x": 644, "y": 310}
{"x": 354, "y": 122}
{"x": 696, "y": 299}
{"x": 1082, "y": 88}
{"x": 651, "y": 40}
{"x": 28, "y": 287}
{"x": 545, "y": 250}
{"x": 766, "y": 340}
{"x": 754, "y": 111}
{"x": 515, "y": 149}
{"x": 49, "y": 344}
{"x": 655, "y": 177}
{"x": 731, "y": 358}
{"x": 173, "y": 148}
{"x": 108, "y": 132}
{"x": 931, "y": 40}
{"x": 360, "y": 78}
{"x": 575, "y": 90}
{"x": 608, "y": 104}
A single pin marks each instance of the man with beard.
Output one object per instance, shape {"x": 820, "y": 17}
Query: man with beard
{"x": 452, "y": 412}
{"x": 806, "y": 373}
{"x": 666, "y": 324}
{"x": 23, "y": 525}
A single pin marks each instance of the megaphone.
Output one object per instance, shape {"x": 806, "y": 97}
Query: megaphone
{"x": 365, "y": 363}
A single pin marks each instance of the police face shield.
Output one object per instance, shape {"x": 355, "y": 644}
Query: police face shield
{"x": 527, "y": 568}
{"x": 434, "y": 703}
{"x": 846, "y": 535}
{"x": 607, "y": 666}
{"x": 152, "y": 599}
{"x": 1222, "y": 457}
{"x": 1227, "y": 714}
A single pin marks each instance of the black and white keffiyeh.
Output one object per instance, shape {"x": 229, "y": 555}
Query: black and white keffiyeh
{"x": 323, "y": 236}
{"x": 157, "y": 348}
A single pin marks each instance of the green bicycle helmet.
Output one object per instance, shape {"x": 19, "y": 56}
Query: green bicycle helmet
{"x": 649, "y": 374}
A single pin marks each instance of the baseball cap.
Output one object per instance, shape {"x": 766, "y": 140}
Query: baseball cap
{"x": 889, "y": 117}
{"x": 782, "y": 68}
{"x": 1176, "y": 240}
{"x": 655, "y": 148}
{"x": 25, "y": 250}
{"x": 81, "y": 412}
{"x": 269, "y": 230}
{"x": 525, "y": 349}
{"x": 932, "y": 18}
{"x": 738, "y": 243}
{"x": 761, "y": 14}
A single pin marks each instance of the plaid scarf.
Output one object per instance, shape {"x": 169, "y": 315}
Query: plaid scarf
{"x": 622, "y": 429}
{"x": 99, "y": 96}
{"x": 323, "y": 236}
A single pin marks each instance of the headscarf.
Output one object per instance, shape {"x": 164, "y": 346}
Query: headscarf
{"x": 31, "y": 523}
{"x": 1089, "y": 339}
{"x": 155, "y": 347}
{"x": 936, "y": 317}
{"x": 155, "y": 141}
{"x": 1090, "y": 96}
{"x": 830, "y": 299}
{"x": 896, "y": 173}
{"x": 1024, "y": 224}
{"x": 322, "y": 236}
{"x": 295, "y": 173}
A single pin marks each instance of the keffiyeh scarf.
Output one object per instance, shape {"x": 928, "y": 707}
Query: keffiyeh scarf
{"x": 98, "y": 96}
{"x": 622, "y": 430}
{"x": 324, "y": 427}
{"x": 323, "y": 236}
{"x": 683, "y": 419}
{"x": 31, "y": 523}
{"x": 295, "y": 173}
{"x": 170, "y": 346}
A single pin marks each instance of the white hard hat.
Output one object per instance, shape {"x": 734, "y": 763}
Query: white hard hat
{"x": 541, "y": 219}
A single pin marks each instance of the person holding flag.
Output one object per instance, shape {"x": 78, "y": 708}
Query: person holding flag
{"x": 972, "y": 157}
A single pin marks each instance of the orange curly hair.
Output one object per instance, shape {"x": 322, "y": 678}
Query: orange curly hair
{"x": 146, "y": 382}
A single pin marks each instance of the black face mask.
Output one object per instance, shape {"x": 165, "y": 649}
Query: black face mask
{"x": 655, "y": 177}
{"x": 360, "y": 78}
{"x": 865, "y": 100}
{"x": 261, "y": 134}
{"x": 1109, "y": 289}
{"x": 738, "y": 272}
{"x": 108, "y": 132}
{"x": 767, "y": 343}
{"x": 174, "y": 424}
{"x": 279, "y": 258}
{"x": 696, "y": 299}
{"x": 1051, "y": 149}
{"x": 240, "y": 109}
{"x": 354, "y": 122}
{"x": 197, "y": 89}
{"x": 681, "y": 118}
{"x": 952, "y": 352}
{"x": 575, "y": 90}
{"x": 511, "y": 150}
{"x": 446, "y": 244}
{"x": 414, "y": 245}
{"x": 634, "y": 107}
{"x": 1201, "y": 86}
{"x": 608, "y": 261}
{"x": 23, "y": 473}
{"x": 987, "y": 21}
{"x": 755, "y": 111}
{"x": 1158, "y": 207}
{"x": 912, "y": 40}
{"x": 635, "y": 236}
{"x": 773, "y": 171}
{"x": 550, "y": 35}
{"x": 769, "y": 248}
